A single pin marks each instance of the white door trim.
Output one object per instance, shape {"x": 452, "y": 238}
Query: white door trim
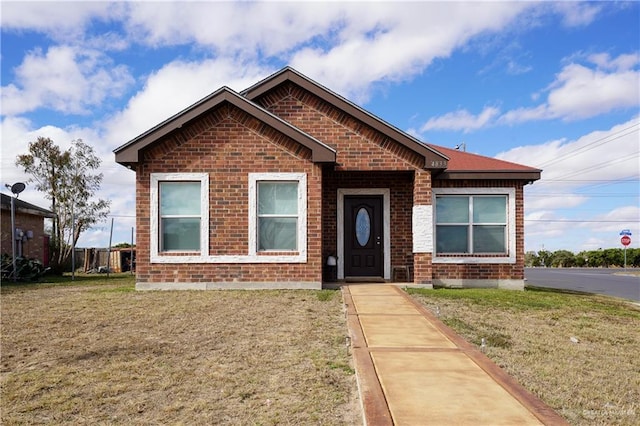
{"x": 386, "y": 224}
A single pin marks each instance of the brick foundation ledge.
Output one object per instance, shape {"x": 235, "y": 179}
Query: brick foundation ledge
{"x": 237, "y": 285}
{"x": 477, "y": 283}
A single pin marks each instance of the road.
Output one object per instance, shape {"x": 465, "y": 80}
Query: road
{"x": 590, "y": 280}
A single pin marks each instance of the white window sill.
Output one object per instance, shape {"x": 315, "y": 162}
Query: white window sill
{"x": 470, "y": 260}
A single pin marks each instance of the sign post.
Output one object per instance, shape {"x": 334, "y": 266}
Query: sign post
{"x": 625, "y": 241}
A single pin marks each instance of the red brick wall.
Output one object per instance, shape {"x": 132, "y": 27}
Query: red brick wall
{"x": 487, "y": 271}
{"x": 228, "y": 144}
{"x": 33, "y": 248}
{"x": 359, "y": 146}
{"x": 365, "y": 159}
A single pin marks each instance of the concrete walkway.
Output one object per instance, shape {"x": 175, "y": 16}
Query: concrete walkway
{"x": 413, "y": 370}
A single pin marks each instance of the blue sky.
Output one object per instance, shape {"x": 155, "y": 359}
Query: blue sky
{"x": 554, "y": 85}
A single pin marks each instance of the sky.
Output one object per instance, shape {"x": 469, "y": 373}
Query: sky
{"x": 552, "y": 85}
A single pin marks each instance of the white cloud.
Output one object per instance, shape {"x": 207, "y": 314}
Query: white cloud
{"x": 578, "y": 92}
{"x": 64, "y": 79}
{"x": 183, "y": 83}
{"x": 346, "y": 46}
{"x": 577, "y": 14}
{"x": 336, "y": 44}
{"x": 462, "y": 120}
{"x": 244, "y": 29}
{"x": 62, "y": 21}
{"x": 604, "y": 154}
{"x": 408, "y": 41}
{"x": 583, "y": 91}
{"x": 564, "y": 206}
{"x": 616, "y": 219}
{"x": 550, "y": 201}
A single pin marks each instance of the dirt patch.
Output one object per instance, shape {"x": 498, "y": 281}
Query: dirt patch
{"x": 577, "y": 353}
{"x": 105, "y": 354}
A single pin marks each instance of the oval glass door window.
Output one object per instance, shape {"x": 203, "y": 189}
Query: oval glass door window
{"x": 363, "y": 227}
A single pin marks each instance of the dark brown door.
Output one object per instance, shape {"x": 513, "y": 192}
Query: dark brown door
{"x": 363, "y": 239}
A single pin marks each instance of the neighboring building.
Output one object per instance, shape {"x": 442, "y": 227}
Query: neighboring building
{"x": 31, "y": 240}
{"x": 259, "y": 189}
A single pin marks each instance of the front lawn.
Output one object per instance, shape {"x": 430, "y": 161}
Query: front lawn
{"x": 96, "y": 351}
{"x": 578, "y": 353}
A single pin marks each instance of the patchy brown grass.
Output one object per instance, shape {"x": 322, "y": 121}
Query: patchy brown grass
{"x": 99, "y": 352}
{"x": 594, "y": 381}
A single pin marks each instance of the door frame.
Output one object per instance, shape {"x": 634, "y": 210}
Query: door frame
{"x": 386, "y": 226}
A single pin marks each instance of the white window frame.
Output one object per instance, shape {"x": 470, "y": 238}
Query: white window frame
{"x": 156, "y": 179}
{"x": 300, "y": 254}
{"x": 252, "y": 256}
{"x": 510, "y": 244}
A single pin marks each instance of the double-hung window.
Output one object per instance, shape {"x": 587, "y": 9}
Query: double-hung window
{"x": 277, "y": 216}
{"x": 472, "y": 224}
{"x": 179, "y": 216}
{"x": 278, "y": 213}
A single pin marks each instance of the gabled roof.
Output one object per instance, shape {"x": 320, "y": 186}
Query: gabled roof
{"x": 446, "y": 163}
{"x": 24, "y": 207}
{"x": 128, "y": 154}
{"x": 433, "y": 158}
{"x": 464, "y": 165}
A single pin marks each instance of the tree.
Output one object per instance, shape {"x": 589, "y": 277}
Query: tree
{"x": 531, "y": 259}
{"x": 68, "y": 179}
{"x": 545, "y": 258}
{"x": 563, "y": 259}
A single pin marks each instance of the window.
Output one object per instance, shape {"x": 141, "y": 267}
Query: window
{"x": 179, "y": 219}
{"x": 180, "y": 216}
{"x": 471, "y": 224}
{"x": 277, "y": 213}
{"x": 277, "y": 216}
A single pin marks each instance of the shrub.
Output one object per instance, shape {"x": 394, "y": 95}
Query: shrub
{"x": 27, "y": 269}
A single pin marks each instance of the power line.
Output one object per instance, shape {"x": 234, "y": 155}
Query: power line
{"x": 601, "y": 165}
{"x": 575, "y": 221}
{"x": 591, "y": 180}
{"x": 593, "y": 144}
{"x": 582, "y": 194}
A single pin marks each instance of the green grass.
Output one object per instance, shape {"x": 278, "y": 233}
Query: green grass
{"x": 325, "y": 295}
{"x": 532, "y": 334}
{"x": 67, "y": 281}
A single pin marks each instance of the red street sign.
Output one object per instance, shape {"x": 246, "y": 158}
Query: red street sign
{"x": 626, "y": 240}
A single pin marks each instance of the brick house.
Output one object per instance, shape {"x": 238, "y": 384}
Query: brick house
{"x": 261, "y": 189}
{"x": 33, "y": 242}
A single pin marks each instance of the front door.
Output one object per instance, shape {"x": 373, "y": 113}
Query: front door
{"x": 363, "y": 239}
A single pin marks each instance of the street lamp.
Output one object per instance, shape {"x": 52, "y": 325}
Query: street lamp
{"x": 16, "y": 189}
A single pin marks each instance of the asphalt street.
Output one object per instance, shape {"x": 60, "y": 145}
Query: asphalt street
{"x": 607, "y": 281}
